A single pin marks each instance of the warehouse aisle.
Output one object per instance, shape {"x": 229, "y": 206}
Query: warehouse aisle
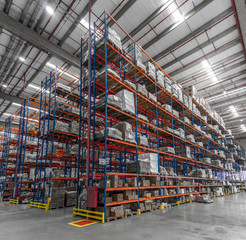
{"x": 225, "y": 219}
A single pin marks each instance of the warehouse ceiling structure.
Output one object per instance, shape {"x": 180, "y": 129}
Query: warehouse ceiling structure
{"x": 197, "y": 42}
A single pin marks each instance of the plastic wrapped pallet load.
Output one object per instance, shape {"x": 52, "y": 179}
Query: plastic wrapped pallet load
{"x": 160, "y": 78}
{"x": 143, "y": 141}
{"x": 126, "y": 129}
{"x": 152, "y": 158}
{"x": 142, "y": 89}
{"x": 127, "y": 99}
{"x": 151, "y": 70}
{"x": 111, "y": 133}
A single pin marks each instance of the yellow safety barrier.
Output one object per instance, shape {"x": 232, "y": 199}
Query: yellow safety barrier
{"x": 14, "y": 201}
{"x": 88, "y": 214}
{"x": 45, "y": 206}
{"x": 1, "y": 199}
{"x": 177, "y": 203}
{"x": 139, "y": 211}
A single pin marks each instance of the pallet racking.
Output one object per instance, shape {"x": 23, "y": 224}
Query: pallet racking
{"x": 166, "y": 127}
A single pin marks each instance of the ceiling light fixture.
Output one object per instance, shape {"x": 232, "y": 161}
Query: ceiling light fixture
{"x": 234, "y": 111}
{"x": 176, "y": 14}
{"x": 4, "y": 85}
{"x": 229, "y": 93}
{"x": 22, "y": 59}
{"x": 33, "y": 86}
{"x": 49, "y": 10}
{"x": 224, "y": 92}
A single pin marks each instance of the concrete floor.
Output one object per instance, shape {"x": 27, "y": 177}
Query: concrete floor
{"x": 224, "y": 219}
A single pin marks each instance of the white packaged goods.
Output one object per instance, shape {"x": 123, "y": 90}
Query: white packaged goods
{"x": 152, "y": 158}
{"x": 167, "y": 107}
{"x": 176, "y": 113}
{"x": 180, "y": 94}
{"x": 127, "y": 99}
{"x": 74, "y": 128}
{"x": 142, "y": 89}
{"x": 151, "y": 70}
{"x": 152, "y": 97}
{"x": 218, "y": 163}
{"x": 188, "y": 152}
{"x": 207, "y": 160}
{"x": 190, "y": 138}
{"x": 163, "y": 171}
{"x": 200, "y": 144}
{"x": 186, "y": 120}
{"x": 111, "y": 133}
{"x": 141, "y": 66}
{"x": 141, "y": 116}
{"x": 126, "y": 129}
{"x": 160, "y": 78}
{"x": 181, "y": 132}
{"x": 175, "y": 90}
{"x": 114, "y": 38}
{"x": 130, "y": 84}
{"x": 167, "y": 149}
{"x": 168, "y": 129}
{"x": 168, "y": 80}
{"x": 186, "y": 100}
{"x": 75, "y": 110}
{"x": 191, "y": 90}
{"x": 111, "y": 100}
{"x": 143, "y": 141}
{"x": 168, "y": 87}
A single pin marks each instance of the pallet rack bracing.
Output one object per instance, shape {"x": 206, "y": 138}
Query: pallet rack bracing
{"x": 147, "y": 144}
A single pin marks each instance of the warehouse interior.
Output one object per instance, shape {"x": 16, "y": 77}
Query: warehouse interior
{"x": 122, "y": 119}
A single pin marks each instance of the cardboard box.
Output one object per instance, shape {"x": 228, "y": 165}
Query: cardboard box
{"x": 117, "y": 197}
{"x": 117, "y": 211}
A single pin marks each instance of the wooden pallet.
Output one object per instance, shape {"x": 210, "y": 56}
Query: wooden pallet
{"x": 131, "y": 214}
{"x": 108, "y": 219}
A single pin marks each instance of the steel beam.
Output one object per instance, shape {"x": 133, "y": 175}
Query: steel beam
{"x": 194, "y": 33}
{"x": 195, "y": 75}
{"x": 148, "y": 20}
{"x": 36, "y": 40}
{"x": 76, "y": 23}
{"x": 122, "y": 11}
{"x": 198, "y": 61}
{"x": 175, "y": 25}
{"x": 10, "y": 98}
{"x": 203, "y": 45}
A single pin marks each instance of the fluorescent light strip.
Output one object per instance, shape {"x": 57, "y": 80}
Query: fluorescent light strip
{"x": 227, "y": 94}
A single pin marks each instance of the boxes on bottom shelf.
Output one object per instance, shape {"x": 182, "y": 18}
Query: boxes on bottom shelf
{"x": 70, "y": 196}
{"x": 117, "y": 211}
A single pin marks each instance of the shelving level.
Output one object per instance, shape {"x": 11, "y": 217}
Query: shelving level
{"x": 152, "y": 142}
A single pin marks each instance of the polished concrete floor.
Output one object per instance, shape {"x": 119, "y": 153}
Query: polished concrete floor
{"x": 224, "y": 219}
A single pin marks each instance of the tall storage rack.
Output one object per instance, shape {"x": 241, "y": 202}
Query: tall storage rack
{"x": 148, "y": 146}
{"x": 8, "y": 159}
{"x": 56, "y": 164}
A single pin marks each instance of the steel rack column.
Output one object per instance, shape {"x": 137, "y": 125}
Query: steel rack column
{"x": 39, "y": 123}
{"x": 106, "y": 115}
{"x": 94, "y": 105}
{"x": 18, "y": 156}
{"x": 48, "y": 133}
{"x": 157, "y": 131}
{"x": 186, "y": 164}
{"x": 53, "y": 132}
{"x": 80, "y": 119}
{"x": 136, "y": 122}
{"x": 43, "y": 139}
{"x": 23, "y": 160}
